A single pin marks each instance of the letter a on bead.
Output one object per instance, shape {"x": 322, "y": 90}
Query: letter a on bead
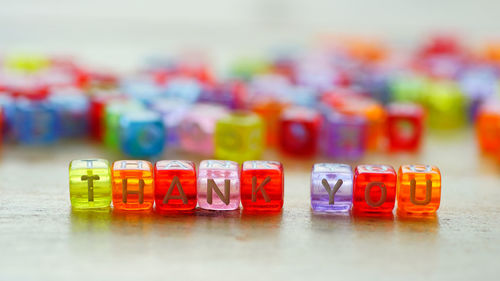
{"x": 331, "y": 192}
{"x": 256, "y": 188}
{"x": 383, "y": 197}
{"x": 212, "y": 186}
{"x": 182, "y": 195}
{"x": 428, "y": 192}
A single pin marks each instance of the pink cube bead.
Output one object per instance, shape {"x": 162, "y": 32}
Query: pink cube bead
{"x": 196, "y": 130}
{"x": 218, "y": 185}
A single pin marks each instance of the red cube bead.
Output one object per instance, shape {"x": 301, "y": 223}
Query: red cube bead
{"x": 175, "y": 185}
{"x": 374, "y": 189}
{"x": 299, "y": 131}
{"x": 405, "y": 124}
{"x": 262, "y": 186}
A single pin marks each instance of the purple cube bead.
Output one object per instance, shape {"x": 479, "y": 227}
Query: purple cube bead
{"x": 344, "y": 136}
{"x": 218, "y": 185}
{"x": 331, "y": 188}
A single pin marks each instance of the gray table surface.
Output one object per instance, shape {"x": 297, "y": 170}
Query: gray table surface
{"x": 42, "y": 238}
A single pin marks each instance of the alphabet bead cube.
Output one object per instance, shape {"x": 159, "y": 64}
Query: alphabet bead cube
{"x": 488, "y": 127}
{"x": 218, "y": 185}
{"x": 262, "y": 186}
{"x": 419, "y": 189}
{"x": 36, "y": 122}
{"x": 89, "y": 183}
{"x": 331, "y": 187}
{"x": 72, "y": 110}
{"x": 270, "y": 112}
{"x": 132, "y": 185}
{"x": 239, "y": 136}
{"x": 196, "y": 130}
{"x": 344, "y": 136}
{"x": 445, "y": 99}
{"x": 299, "y": 131}
{"x": 175, "y": 185}
{"x": 374, "y": 189}
{"x": 172, "y": 112}
{"x": 142, "y": 134}
{"x": 404, "y": 126}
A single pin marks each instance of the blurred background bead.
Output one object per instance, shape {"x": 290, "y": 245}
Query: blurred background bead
{"x": 114, "y": 112}
{"x": 405, "y": 125}
{"x": 445, "y": 104}
{"x": 142, "y": 134}
{"x": 187, "y": 89}
{"x": 36, "y": 122}
{"x": 196, "y": 130}
{"x": 344, "y": 136}
{"x": 72, "y": 108}
{"x": 299, "y": 131}
{"x": 173, "y": 111}
{"x": 239, "y": 137}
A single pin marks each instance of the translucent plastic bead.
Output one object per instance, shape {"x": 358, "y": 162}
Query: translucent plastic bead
{"x": 218, "y": 185}
{"x": 89, "y": 183}
{"x": 142, "y": 134}
{"x": 239, "y": 136}
{"x": 175, "y": 185}
{"x": 132, "y": 185}
{"x": 262, "y": 186}
{"x": 197, "y": 128}
{"x": 374, "y": 189}
{"x": 419, "y": 189}
{"x": 331, "y": 188}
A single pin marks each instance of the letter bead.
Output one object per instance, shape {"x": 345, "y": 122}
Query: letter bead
{"x": 175, "y": 185}
{"x": 419, "y": 189}
{"x": 89, "y": 183}
{"x": 218, "y": 185}
{"x": 374, "y": 189}
{"x": 142, "y": 134}
{"x": 331, "y": 188}
{"x": 405, "y": 122}
{"x": 262, "y": 186}
{"x": 133, "y": 187}
{"x": 239, "y": 136}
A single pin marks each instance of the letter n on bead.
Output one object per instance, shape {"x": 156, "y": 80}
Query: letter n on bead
{"x": 212, "y": 186}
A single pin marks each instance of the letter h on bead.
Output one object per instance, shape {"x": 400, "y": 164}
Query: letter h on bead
{"x": 125, "y": 191}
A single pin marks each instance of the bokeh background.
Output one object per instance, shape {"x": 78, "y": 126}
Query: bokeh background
{"x": 121, "y": 33}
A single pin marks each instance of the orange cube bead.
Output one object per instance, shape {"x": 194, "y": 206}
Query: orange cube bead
{"x": 132, "y": 185}
{"x": 375, "y": 116}
{"x": 419, "y": 189}
{"x": 270, "y": 111}
{"x": 488, "y": 127}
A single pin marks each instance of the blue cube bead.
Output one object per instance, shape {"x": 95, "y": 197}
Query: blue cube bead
{"x": 142, "y": 134}
{"x": 36, "y": 122}
{"x": 142, "y": 90}
{"x": 72, "y": 110}
{"x": 187, "y": 89}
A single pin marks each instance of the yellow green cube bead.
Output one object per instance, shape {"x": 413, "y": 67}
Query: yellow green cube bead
{"x": 90, "y": 183}
{"x": 239, "y": 137}
{"x": 446, "y": 105}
